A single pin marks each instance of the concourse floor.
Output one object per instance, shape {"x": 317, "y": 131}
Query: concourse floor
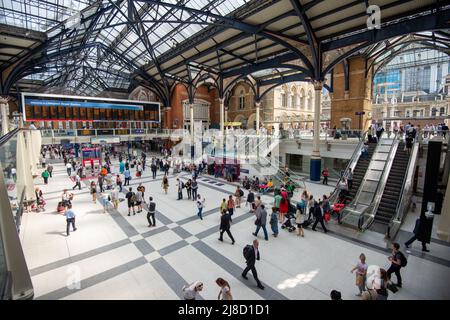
{"x": 119, "y": 257}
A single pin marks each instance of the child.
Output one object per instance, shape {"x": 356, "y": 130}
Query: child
{"x": 274, "y": 221}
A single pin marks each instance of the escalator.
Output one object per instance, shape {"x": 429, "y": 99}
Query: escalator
{"x": 360, "y": 171}
{"x": 392, "y": 191}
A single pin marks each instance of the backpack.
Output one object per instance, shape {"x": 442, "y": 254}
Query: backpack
{"x": 247, "y": 251}
{"x": 241, "y": 193}
{"x": 403, "y": 261}
{"x": 133, "y": 197}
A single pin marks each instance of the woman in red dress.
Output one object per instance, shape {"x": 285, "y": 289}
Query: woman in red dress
{"x": 284, "y": 205}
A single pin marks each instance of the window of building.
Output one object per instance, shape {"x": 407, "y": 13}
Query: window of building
{"x": 433, "y": 112}
{"x": 310, "y": 104}
{"x": 442, "y": 111}
{"x": 283, "y": 99}
{"x": 241, "y": 100}
{"x": 408, "y": 113}
{"x": 302, "y": 99}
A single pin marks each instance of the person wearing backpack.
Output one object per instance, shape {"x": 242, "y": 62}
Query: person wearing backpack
{"x": 251, "y": 254}
{"x": 151, "y": 213}
{"x": 131, "y": 198}
{"x": 398, "y": 260}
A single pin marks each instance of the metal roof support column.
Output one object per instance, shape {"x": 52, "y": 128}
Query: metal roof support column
{"x": 315, "y": 162}
{"x": 4, "y": 110}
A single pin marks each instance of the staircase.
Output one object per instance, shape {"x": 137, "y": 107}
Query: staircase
{"x": 392, "y": 191}
{"x": 360, "y": 171}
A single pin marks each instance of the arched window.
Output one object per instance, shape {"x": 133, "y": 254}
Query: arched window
{"x": 310, "y": 102}
{"x": 294, "y": 98}
{"x": 442, "y": 111}
{"x": 433, "y": 112}
{"x": 284, "y": 97}
{"x": 302, "y": 98}
{"x": 241, "y": 100}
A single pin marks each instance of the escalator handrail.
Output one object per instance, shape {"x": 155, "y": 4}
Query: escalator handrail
{"x": 406, "y": 187}
{"x": 5, "y": 138}
{"x": 356, "y": 198}
{"x": 372, "y": 209}
{"x": 351, "y": 164}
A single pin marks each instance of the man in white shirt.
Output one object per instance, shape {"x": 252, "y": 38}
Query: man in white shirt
{"x": 69, "y": 169}
{"x": 77, "y": 182}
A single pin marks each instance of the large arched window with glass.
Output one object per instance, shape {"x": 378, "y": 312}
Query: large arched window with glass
{"x": 310, "y": 101}
{"x": 294, "y": 97}
{"x": 284, "y": 96}
{"x": 241, "y": 104}
{"x": 302, "y": 98}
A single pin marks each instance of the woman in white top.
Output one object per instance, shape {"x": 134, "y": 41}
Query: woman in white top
{"x": 225, "y": 290}
{"x": 361, "y": 273}
{"x": 191, "y": 291}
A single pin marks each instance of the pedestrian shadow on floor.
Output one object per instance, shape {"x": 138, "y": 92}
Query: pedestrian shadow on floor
{"x": 63, "y": 234}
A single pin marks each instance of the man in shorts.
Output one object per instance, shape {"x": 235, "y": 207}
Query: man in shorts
{"x": 131, "y": 198}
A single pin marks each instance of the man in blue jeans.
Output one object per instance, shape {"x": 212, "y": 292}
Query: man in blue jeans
{"x": 200, "y": 205}
{"x": 261, "y": 220}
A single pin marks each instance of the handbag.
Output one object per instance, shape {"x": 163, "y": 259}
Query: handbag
{"x": 257, "y": 222}
{"x": 327, "y": 217}
{"x": 359, "y": 280}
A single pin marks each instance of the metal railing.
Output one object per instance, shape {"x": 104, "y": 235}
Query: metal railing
{"x": 406, "y": 193}
{"x": 352, "y": 209}
{"x": 15, "y": 280}
{"x": 368, "y": 215}
{"x": 103, "y": 132}
{"x": 351, "y": 165}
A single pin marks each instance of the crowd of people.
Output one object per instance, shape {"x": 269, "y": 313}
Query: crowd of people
{"x": 306, "y": 211}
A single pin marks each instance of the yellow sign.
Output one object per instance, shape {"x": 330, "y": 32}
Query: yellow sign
{"x": 233, "y": 124}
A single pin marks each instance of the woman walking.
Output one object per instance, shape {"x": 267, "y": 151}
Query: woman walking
{"x": 93, "y": 191}
{"x": 225, "y": 290}
{"x": 300, "y": 220}
{"x": 230, "y": 205}
{"x": 165, "y": 184}
{"x": 200, "y": 205}
{"x": 361, "y": 272}
{"x": 284, "y": 204}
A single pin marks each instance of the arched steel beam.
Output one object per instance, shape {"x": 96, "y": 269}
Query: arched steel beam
{"x": 247, "y": 71}
{"x": 242, "y": 26}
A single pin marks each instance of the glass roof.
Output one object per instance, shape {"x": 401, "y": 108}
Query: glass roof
{"x": 39, "y": 15}
{"x": 128, "y": 41}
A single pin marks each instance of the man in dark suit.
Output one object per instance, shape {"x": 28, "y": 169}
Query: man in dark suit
{"x": 318, "y": 214}
{"x": 418, "y": 235}
{"x": 251, "y": 257}
{"x": 225, "y": 225}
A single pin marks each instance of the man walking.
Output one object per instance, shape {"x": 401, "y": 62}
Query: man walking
{"x": 418, "y": 235}
{"x": 151, "y": 213}
{"x": 131, "y": 198}
{"x": 69, "y": 168}
{"x": 70, "y": 219}
{"x": 251, "y": 254}
{"x": 180, "y": 189}
{"x": 325, "y": 174}
{"x": 127, "y": 176}
{"x": 154, "y": 168}
{"x": 45, "y": 175}
{"x": 261, "y": 220}
{"x": 194, "y": 186}
{"x": 200, "y": 206}
{"x": 396, "y": 263}
{"x": 77, "y": 182}
{"x": 50, "y": 170}
{"x": 225, "y": 226}
{"x": 318, "y": 214}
